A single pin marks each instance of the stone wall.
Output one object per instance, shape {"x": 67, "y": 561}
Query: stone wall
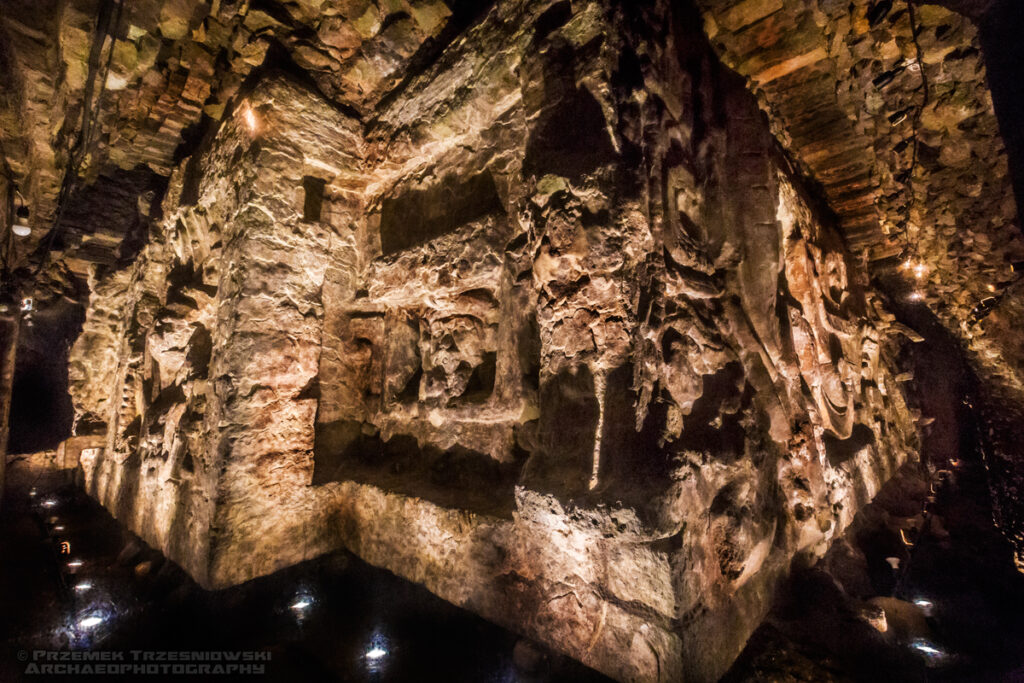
{"x": 888, "y": 106}
{"x": 558, "y": 334}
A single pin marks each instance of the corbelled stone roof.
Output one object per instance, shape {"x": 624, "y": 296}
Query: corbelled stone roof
{"x": 154, "y": 75}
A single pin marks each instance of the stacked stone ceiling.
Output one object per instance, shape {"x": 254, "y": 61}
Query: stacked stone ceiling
{"x": 174, "y": 68}
{"x": 885, "y": 104}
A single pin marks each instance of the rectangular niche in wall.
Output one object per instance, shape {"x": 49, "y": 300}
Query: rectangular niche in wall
{"x": 455, "y": 478}
{"x": 312, "y": 206}
{"x": 419, "y": 216}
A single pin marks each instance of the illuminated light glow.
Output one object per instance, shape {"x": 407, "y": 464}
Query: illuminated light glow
{"x": 32, "y": 493}
{"x": 90, "y": 622}
{"x": 301, "y": 604}
{"x": 83, "y": 586}
{"x": 49, "y": 503}
{"x": 59, "y": 527}
{"x": 894, "y": 562}
{"x": 907, "y": 265}
{"x": 916, "y": 296}
{"x": 926, "y": 606}
{"x": 991, "y": 288}
{"x": 920, "y": 270}
{"x": 75, "y": 564}
{"x": 376, "y": 653}
{"x": 21, "y": 230}
{"x": 927, "y": 648}
{"x": 906, "y": 541}
{"x": 249, "y": 117}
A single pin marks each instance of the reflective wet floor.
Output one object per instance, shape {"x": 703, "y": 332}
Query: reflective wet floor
{"x": 332, "y": 619}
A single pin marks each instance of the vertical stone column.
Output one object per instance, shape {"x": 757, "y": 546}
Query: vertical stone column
{"x": 267, "y": 337}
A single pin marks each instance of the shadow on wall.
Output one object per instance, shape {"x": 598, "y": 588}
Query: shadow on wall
{"x": 348, "y": 450}
{"x": 41, "y": 410}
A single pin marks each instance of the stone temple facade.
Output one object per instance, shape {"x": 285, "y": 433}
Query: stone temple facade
{"x": 559, "y": 334}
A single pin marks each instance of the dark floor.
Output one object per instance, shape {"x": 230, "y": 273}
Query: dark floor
{"x": 332, "y": 619}
{"x": 958, "y": 603}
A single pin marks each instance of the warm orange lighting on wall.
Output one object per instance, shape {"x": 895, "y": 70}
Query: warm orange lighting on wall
{"x": 249, "y": 118}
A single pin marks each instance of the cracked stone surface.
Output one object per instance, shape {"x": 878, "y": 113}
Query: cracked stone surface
{"x": 903, "y": 138}
{"x": 558, "y": 333}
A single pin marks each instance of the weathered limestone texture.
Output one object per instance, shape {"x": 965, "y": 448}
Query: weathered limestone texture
{"x": 887, "y": 106}
{"x": 557, "y": 334}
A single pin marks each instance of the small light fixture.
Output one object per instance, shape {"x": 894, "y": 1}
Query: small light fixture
{"x": 376, "y": 652}
{"x": 927, "y": 648}
{"x": 301, "y": 604}
{"x": 920, "y": 270}
{"x": 49, "y": 503}
{"x": 82, "y": 586}
{"x": 915, "y": 296}
{"x": 75, "y": 564}
{"x": 90, "y": 622}
{"x": 21, "y": 229}
{"x": 926, "y": 606}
